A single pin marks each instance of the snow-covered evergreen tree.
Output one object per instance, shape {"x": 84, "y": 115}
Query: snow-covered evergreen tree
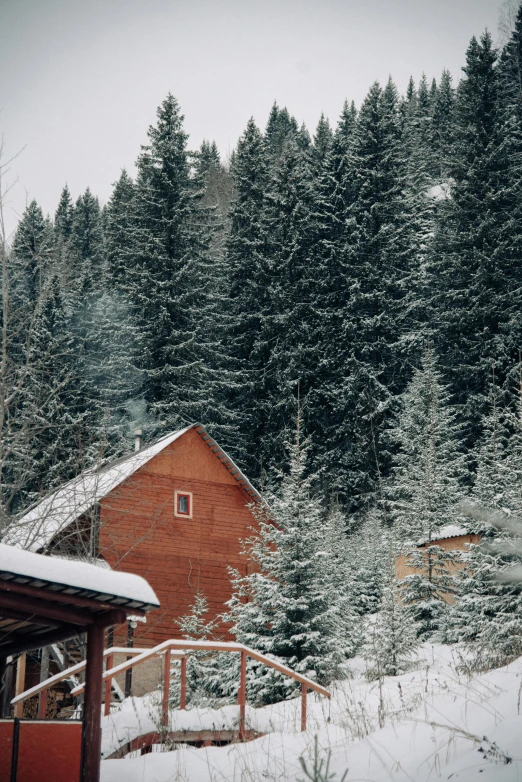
{"x": 288, "y": 607}
{"x": 64, "y": 215}
{"x": 426, "y": 593}
{"x": 373, "y": 263}
{"x": 322, "y": 143}
{"x": 368, "y": 562}
{"x": 487, "y": 615}
{"x": 281, "y": 127}
{"x": 424, "y": 490}
{"x": 248, "y": 279}
{"x": 425, "y": 485}
{"x": 390, "y": 637}
{"x": 290, "y": 367}
{"x": 119, "y": 232}
{"x": 212, "y": 678}
{"x": 477, "y": 244}
{"x": 173, "y": 280}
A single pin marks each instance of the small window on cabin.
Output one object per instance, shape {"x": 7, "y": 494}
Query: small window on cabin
{"x": 183, "y": 504}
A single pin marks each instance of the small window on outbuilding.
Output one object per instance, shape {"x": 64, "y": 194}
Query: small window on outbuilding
{"x": 183, "y": 504}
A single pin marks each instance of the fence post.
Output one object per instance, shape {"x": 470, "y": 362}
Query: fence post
{"x": 166, "y": 689}
{"x": 183, "y": 684}
{"x": 242, "y": 697}
{"x": 108, "y": 687}
{"x": 304, "y": 690}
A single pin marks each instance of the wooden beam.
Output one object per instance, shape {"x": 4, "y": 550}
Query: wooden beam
{"x": 183, "y": 685}
{"x": 91, "y": 749}
{"x": 33, "y": 619}
{"x": 28, "y": 642}
{"x": 242, "y": 696}
{"x": 42, "y": 608}
{"x": 304, "y": 690}
{"x": 108, "y": 687}
{"x": 61, "y": 597}
{"x": 166, "y": 688}
{"x": 3, "y": 684}
{"x": 20, "y": 684}
{"x": 44, "y": 675}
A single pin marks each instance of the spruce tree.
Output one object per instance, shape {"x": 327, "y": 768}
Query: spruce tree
{"x": 64, "y": 215}
{"x": 173, "y": 279}
{"x": 291, "y": 610}
{"x": 322, "y": 143}
{"x": 53, "y": 402}
{"x": 87, "y": 246}
{"x": 212, "y": 678}
{"x": 368, "y": 563}
{"x": 119, "y": 234}
{"x": 442, "y": 126}
{"x": 25, "y": 272}
{"x": 373, "y": 346}
{"x": 474, "y": 268}
{"x": 280, "y": 127}
{"x": 250, "y": 302}
{"x": 425, "y": 485}
{"x": 391, "y": 639}
{"x": 332, "y": 199}
{"x": 424, "y": 490}
{"x": 486, "y": 614}
{"x": 291, "y": 363}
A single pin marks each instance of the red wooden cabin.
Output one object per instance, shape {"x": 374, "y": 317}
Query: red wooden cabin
{"x": 174, "y": 512}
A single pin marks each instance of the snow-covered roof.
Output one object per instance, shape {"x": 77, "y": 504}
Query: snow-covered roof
{"x": 81, "y": 579}
{"x": 35, "y": 530}
{"x": 449, "y": 531}
{"x": 41, "y": 523}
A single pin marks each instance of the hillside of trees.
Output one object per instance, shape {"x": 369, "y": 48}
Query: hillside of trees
{"x": 371, "y": 268}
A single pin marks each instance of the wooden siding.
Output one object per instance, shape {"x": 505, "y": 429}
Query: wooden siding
{"x": 404, "y": 568}
{"x": 140, "y": 534}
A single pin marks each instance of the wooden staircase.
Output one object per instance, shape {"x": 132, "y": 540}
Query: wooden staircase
{"x": 69, "y": 654}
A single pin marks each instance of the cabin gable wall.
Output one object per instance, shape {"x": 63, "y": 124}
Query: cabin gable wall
{"x": 139, "y": 532}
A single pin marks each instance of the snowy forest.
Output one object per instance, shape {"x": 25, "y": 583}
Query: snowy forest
{"x": 341, "y": 307}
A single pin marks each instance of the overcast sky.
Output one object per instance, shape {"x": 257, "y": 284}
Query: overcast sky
{"x": 80, "y": 80}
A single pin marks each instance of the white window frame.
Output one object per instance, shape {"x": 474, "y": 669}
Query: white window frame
{"x": 188, "y": 494}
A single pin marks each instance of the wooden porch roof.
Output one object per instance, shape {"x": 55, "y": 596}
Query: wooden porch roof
{"x": 44, "y": 600}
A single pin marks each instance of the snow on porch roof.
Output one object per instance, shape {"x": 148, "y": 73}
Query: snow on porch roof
{"x": 71, "y": 577}
{"x": 35, "y": 530}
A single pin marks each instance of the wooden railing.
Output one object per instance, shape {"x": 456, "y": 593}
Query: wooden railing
{"x": 177, "y": 649}
{"x": 166, "y": 649}
{"x": 42, "y": 688}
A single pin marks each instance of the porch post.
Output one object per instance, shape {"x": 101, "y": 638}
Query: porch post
{"x": 166, "y": 689}
{"x": 20, "y": 683}
{"x": 108, "y": 686}
{"x": 44, "y": 674}
{"x": 3, "y": 683}
{"x": 242, "y": 697}
{"x": 183, "y": 684}
{"x": 92, "y": 705}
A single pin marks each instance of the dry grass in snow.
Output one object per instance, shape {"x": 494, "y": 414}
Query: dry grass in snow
{"x": 437, "y": 723}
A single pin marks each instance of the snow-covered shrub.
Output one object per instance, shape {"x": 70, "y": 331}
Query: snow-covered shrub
{"x": 212, "y": 678}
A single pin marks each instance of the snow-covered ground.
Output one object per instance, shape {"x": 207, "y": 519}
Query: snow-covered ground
{"x": 438, "y": 724}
